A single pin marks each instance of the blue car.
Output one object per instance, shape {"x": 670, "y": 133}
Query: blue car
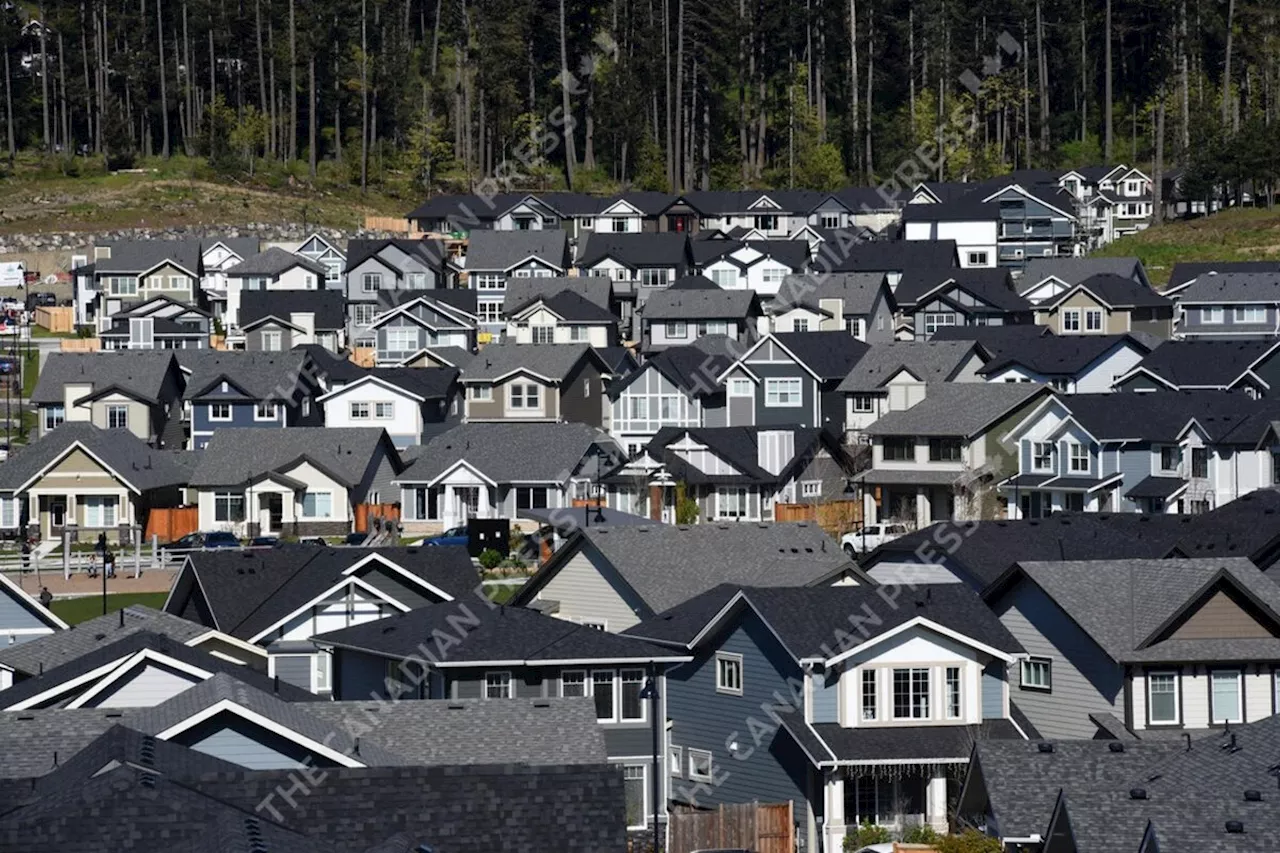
{"x": 453, "y": 536}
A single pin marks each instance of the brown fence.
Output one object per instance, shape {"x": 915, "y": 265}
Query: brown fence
{"x": 172, "y": 523}
{"x": 60, "y": 320}
{"x": 364, "y": 356}
{"x": 387, "y": 223}
{"x": 80, "y": 344}
{"x": 366, "y": 511}
{"x": 842, "y": 516}
{"x": 763, "y": 828}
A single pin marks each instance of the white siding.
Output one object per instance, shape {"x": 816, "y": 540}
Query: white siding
{"x": 585, "y": 594}
{"x": 148, "y": 686}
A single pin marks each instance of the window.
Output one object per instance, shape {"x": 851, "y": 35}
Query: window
{"x": 899, "y": 449}
{"x": 800, "y": 324}
{"x": 1162, "y": 698}
{"x": 417, "y": 281}
{"x": 1073, "y": 502}
{"x": 100, "y": 510}
{"x": 489, "y": 281}
{"x": 1042, "y": 453}
{"x": 573, "y": 683}
{"x": 675, "y": 761}
{"x": 384, "y": 411}
{"x": 362, "y": 313}
{"x": 632, "y": 704}
{"x": 272, "y": 341}
{"x": 602, "y": 692}
{"x": 869, "y": 695}
{"x": 863, "y": 403}
{"x": 228, "y": 506}
{"x": 317, "y": 505}
{"x": 531, "y": 497}
{"x": 265, "y": 412}
{"x": 489, "y": 312}
{"x": 933, "y": 322}
{"x": 359, "y": 411}
{"x": 740, "y": 388}
{"x": 543, "y": 334}
{"x": 953, "y": 692}
{"x": 401, "y": 339}
{"x": 1071, "y": 320}
{"x": 728, "y": 673}
{"x": 731, "y": 503}
{"x": 1251, "y": 314}
{"x": 773, "y": 275}
{"x": 54, "y": 416}
{"x": 618, "y": 224}
{"x": 578, "y": 333}
{"x": 633, "y": 786}
{"x": 654, "y": 277}
{"x": 586, "y": 387}
{"x": 678, "y": 330}
{"x": 122, "y": 286}
{"x": 497, "y": 685}
{"x": 699, "y": 765}
{"x": 1211, "y": 316}
{"x": 1226, "y": 696}
{"x": 977, "y": 259}
{"x": 480, "y": 392}
{"x": 219, "y": 411}
{"x": 1170, "y": 458}
{"x": 830, "y": 220}
{"x": 911, "y": 694}
{"x": 725, "y": 279}
{"x": 1037, "y": 674}
{"x": 1079, "y": 458}
{"x": 766, "y": 223}
{"x": 117, "y": 417}
{"x": 1199, "y": 463}
{"x": 524, "y": 396}
{"x": 371, "y": 282}
{"x": 811, "y": 489}
{"x": 1093, "y": 320}
{"x": 783, "y": 393}
{"x": 945, "y": 450}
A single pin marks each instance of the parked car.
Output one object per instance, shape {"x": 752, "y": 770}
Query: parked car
{"x": 313, "y": 540}
{"x": 42, "y": 299}
{"x": 264, "y": 542}
{"x": 198, "y": 540}
{"x": 872, "y": 536}
{"x": 355, "y": 539}
{"x": 452, "y": 536}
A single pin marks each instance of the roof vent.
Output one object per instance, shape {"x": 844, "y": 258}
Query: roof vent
{"x": 1137, "y": 793}
{"x": 541, "y": 703}
{"x": 1045, "y": 747}
{"x": 1116, "y": 746}
{"x": 147, "y": 780}
{"x": 1235, "y": 827}
{"x": 114, "y": 715}
{"x": 26, "y": 716}
{"x": 1252, "y": 796}
{"x": 457, "y": 706}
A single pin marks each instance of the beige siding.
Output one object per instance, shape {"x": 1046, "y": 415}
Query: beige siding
{"x": 139, "y": 415}
{"x": 586, "y": 595}
{"x": 1114, "y": 322}
{"x": 80, "y": 466}
{"x": 1221, "y": 617}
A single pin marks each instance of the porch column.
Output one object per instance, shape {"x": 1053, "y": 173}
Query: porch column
{"x": 655, "y": 503}
{"x": 869, "y": 509}
{"x": 834, "y": 828}
{"x": 935, "y": 802}
{"x": 922, "y": 507}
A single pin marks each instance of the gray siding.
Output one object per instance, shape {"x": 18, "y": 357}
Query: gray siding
{"x": 628, "y": 741}
{"x": 294, "y": 669}
{"x": 232, "y": 739}
{"x": 993, "y": 691}
{"x": 1135, "y": 465}
{"x": 14, "y": 616}
{"x": 383, "y": 581}
{"x": 587, "y": 588}
{"x": 358, "y": 676}
{"x": 146, "y": 687}
{"x": 825, "y": 701}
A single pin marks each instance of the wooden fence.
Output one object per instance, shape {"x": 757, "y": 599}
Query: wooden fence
{"x": 364, "y": 356}
{"x": 80, "y": 344}
{"x": 762, "y": 828}
{"x": 170, "y": 523}
{"x": 388, "y": 223}
{"x": 841, "y": 516}
{"x": 366, "y": 511}
{"x": 60, "y": 320}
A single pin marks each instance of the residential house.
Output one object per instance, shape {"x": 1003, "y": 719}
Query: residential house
{"x": 500, "y": 470}
{"x": 941, "y": 458}
{"x": 757, "y": 265}
{"x": 401, "y": 400}
{"x": 136, "y": 391}
{"x": 1107, "y": 304}
{"x": 928, "y": 300}
{"x": 537, "y": 382}
{"x": 466, "y": 650}
{"x": 278, "y": 599}
{"x": 301, "y": 481}
{"x": 613, "y": 577}
{"x": 1111, "y": 201}
{"x": 863, "y": 728}
{"x": 23, "y": 620}
{"x": 970, "y": 224}
{"x": 1072, "y": 364}
{"x": 274, "y": 321}
{"x": 494, "y": 257}
{"x": 1186, "y": 272}
{"x": 729, "y": 474}
{"x": 676, "y": 387}
{"x": 855, "y": 207}
{"x": 84, "y": 480}
{"x": 129, "y": 271}
{"x": 409, "y": 322}
{"x": 1229, "y": 305}
{"x": 1177, "y": 645}
{"x": 677, "y": 315}
{"x": 861, "y": 304}
{"x": 1034, "y": 221}
{"x": 273, "y": 270}
{"x": 395, "y": 265}
{"x": 890, "y": 257}
{"x": 328, "y": 255}
{"x": 1046, "y": 278}
{"x": 775, "y": 213}
{"x": 1206, "y": 364}
{"x": 560, "y": 311}
{"x": 158, "y": 323}
{"x": 892, "y": 376}
{"x": 217, "y": 256}
{"x": 638, "y": 264}
{"x": 790, "y": 379}
{"x": 264, "y": 390}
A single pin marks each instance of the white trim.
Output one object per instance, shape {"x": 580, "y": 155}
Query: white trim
{"x": 64, "y": 686}
{"x": 446, "y": 472}
{"x": 408, "y": 575}
{"x": 40, "y": 611}
{"x": 143, "y": 655}
{"x": 266, "y": 723}
{"x": 63, "y": 455}
{"x": 920, "y": 621}
{"x": 319, "y": 598}
{"x": 892, "y": 762}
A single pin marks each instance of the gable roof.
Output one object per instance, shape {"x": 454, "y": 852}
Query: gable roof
{"x": 1115, "y": 291}
{"x": 1188, "y": 271}
{"x": 739, "y": 446}
{"x": 929, "y": 361}
{"x": 692, "y": 369}
{"x": 431, "y": 253}
{"x": 328, "y": 306}
{"x": 962, "y": 409}
{"x": 522, "y": 292}
{"x": 237, "y": 455}
{"x": 552, "y": 362}
{"x": 502, "y": 250}
{"x": 1189, "y": 364}
{"x": 992, "y": 286}
{"x": 138, "y": 464}
{"x": 275, "y": 261}
{"x": 704, "y": 304}
{"x": 571, "y": 307}
{"x": 1162, "y": 417}
{"x": 890, "y": 256}
{"x": 53, "y": 650}
{"x": 140, "y": 256}
{"x": 1075, "y": 270}
{"x": 1056, "y": 355}
{"x": 831, "y": 355}
{"x": 429, "y": 383}
{"x": 858, "y": 291}
{"x": 793, "y": 254}
{"x": 260, "y": 375}
{"x": 665, "y": 249}
{"x": 1231, "y": 287}
{"x": 507, "y": 452}
{"x": 140, "y": 373}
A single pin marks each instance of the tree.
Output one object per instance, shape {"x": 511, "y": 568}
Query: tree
{"x": 427, "y": 150}
{"x": 248, "y": 134}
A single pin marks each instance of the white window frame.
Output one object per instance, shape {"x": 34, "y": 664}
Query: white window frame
{"x": 862, "y": 403}
{"x": 1212, "y": 315}
{"x": 722, "y": 502}
{"x": 101, "y": 511}
{"x": 1244, "y": 313}
{"x": 501, "y": 680}
{"x": 774, "y": 392}
{"x": 933, "y": 321}
{"x": 1090, "y": 315}
{"x": 613, "y": 692}
{"x": 358, "y": 410}
{"x": 726, "y": 662}
{"x": 948, "y": 695}
{"x": 1035, "y": 456}
{"x": 362, "y": 313}
{"x": 260, "y": 411}
{"x": 644, "y": 704}
{"x": 322, "y": 672}
{"x": 1177, "y": 698}
{"x": 741, "y": 388}
{"x": 302, "y": 504}
{"x": 480, "y": 393}
{"x": 402, "y": 338}
{"x": 1037, "y": 673}
{"x": 1074, "y": 450}
{"x": 811, "y": 489}
{"x": 489, "y": 312}
{"x": 978, "y": 259}
{"x": 675, "y": 761}
{"x": 869, "y": 712}
{"x": 676, "y": 330}
{"x": 643, "y": 770}
{"x": 272, "y": 340}
{"x": 116, "y": 409}
{"x": 912, "y": 705}
{"x": 697, "y": 756}
{"x": 227, "y": 500}
{"x": 54, "y": 416}
{"x": 523, "y": 397}
{"x": 542, "y": 333}
{"x": 586, "y": 682}
{"x": 1214, "y": 717}
{"x": 1071, "y": 319}
{"x": 213, "y": 416}
{"x": 370, "y": 282}
{"x": 379, "y": 406}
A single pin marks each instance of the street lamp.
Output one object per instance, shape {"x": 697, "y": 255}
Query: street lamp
{"x": 650, "y": 692}
{"x": 850, "y": 490}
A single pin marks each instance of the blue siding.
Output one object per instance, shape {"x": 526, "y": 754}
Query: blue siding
{"x": 1135, "y": 464}
{"x": 294, "y": 669}
{"x": 774, "y": 416}
{"x": 358, "y": 676}
{"x": 233, "y": 739}
{"x": 768, "y": 767}
{"x": 15, "y": 616}
{"x": 826, "y": 698}
{"x": 993, "y": 691}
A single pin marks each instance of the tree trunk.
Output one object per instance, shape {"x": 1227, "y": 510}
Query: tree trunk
{"x": 44, "y": 80}
{"x": 743, "y": 149}
{"x": 293, "y": 84}
{"x": 911, "y": 68}
{"x": 853, "y": 82}
{"x": 1186, "y": 89}
{"x": 666, "y": 59}
{"x": 1107, "y": 151}
{"x": 164, "y": 94}
{"x": 1084, "y": 77}
{"x": 1026, "y": 102}
{"x": 84, "y": 59}
{"x": 364, "y": 96}
{"x": 1226, "y": 63}
{"x": 680, "y": 177}
{"x": 311, "y": 117}
{"x": 264, "y": 106}
{"x": 67, "y": 147}
{"x": 337, "y": 102}
{"x": 871, "y": 68}
{"x": 276, "y": 118}
{"x": 570, "y": 156}
{"x": 1157, "y": 172}
{"x": 1042, "y": 72}
{"x": 435, "y": 45}
{"x": 8, "y": 109}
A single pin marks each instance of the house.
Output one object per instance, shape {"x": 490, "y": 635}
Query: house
{"x": 397, "y": 265}
{"x": 140, "y": 392}
{"x": 738, "y": 474}
{"x": 301, "y": 481}
{"x": 328, "y": 255}
{"x": 273, "y": 270}
{"x": 790, "y": 379}
{"x": 1107, "y": 304}
{"x": 401, "y": 400}
{"x": 757, "y": 265}
{"x": 158, "y": 323}
{"x": 85, "y": 480}
{"x": 941, "y": 457}
{"x": 1185, "y": 272}
{"x": 1129, "y": 192}
{"x": 561, "y": 310}
{"x": 1072, "y": 364}
{"x": 971, "y": 224}
{"x": 494, "y": 257}
{"x": 129, "y": 271}
{"x": 860, "y": 304}
{"x": 23, "y": 620}
{"x": 677, "y": 315}
{"x": 892, "y": 376}
{"x": 1034, "y": 221}
{"x": 1205, "y": 364}
{"x": 1045, "y": 278}
{"x": 637, "y": 264}
{"x": 470, "y": 649}
{"x": 928, "y": 300}
{"x": 499, "y": 470}
{"x": 1182, "y": 644}
{"x": 537, "y": 382}
{"x": 616, "y": 577}
{"x": 677, "y": 387}
{"x": 1230, "y": 305}
{"x": 409, "y": 322}
{"x": 874, "y": 698}
{"x": 278, "y": 320}
{"x": 856, "y": 207}
{"x": 775, "y": 214}
{"x": 217, "y": 256}
{"x": 263, "y": 390}
{"x": 890, "y": 257}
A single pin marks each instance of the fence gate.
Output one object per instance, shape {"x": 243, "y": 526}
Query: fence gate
{"x": 761, "y": 828}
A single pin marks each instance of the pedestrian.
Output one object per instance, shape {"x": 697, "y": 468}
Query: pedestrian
{"x": 26, "y": 556}
{"x": 101, "y": 547}
{"x": 46, "y": 597}
{"x": 93, "y": 564}
{"x": 109, "y": 564}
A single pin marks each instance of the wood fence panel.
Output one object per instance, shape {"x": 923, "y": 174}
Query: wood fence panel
{"x": 761, "y": 828}
{"x": 80, "y": 345}
{"x": 57, "y": 319}
{"x": 383, "y": 511}
{"x": 387, "y": 223}
{"x": 775, "y": 829}
{"x": 170, "y": 523}
{"x": 364, "y": 356}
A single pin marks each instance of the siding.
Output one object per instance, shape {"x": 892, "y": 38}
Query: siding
{"x": 825, "y": 701}
{"x": 588, "y": 589}
{"x": 358, "y": 676}
{"x": 993, "y": 678}
{"x": 243, "y": 743}
{"x": 14, "y": 616}
{"x": 1135, "y": 465}
{"x": 145, "y": 687}
{"x": 391, "y": 586}
{"x": 1221, "y": 617}
{"x": 294, "y": 669}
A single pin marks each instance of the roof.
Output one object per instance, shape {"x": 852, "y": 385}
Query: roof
{"x": 967, "y": 208}
{"x": 1187, "y": 271}
{"x": 667, "y": 565}
{"x": 831, "y": 355}
{"x": 890, "y": 256}
{"x": 706, "y": 304}
{"x": 552, "y": 362}
{"x": 1055, "y": 355}
{"x": 430, "y": 383}
{"x": 1152, "y": 486}
{"x": 739, "y": 447}
{"x": 929, "y": 361}
{"x": 1116, "y": 291}
{"x": 502, "y": 250}
{"x": 507, "y": 452}
{"x": 328, "y": 306}
{"x": 524, "y": 291}
{"x": 1243, "y": 527}
{"x": 139, "y": 256}
{"x": 692, "y": 369}
{"x": 858, "y": 291}
{"x": 665, "y": 249}
{"x": 992, "y": 286}
{"x": 962, "y": 409}
{"x": 1231, "y": 287}
{"x": 572, "y": 307}
{"x": 275, "y": 261}
{"x": 913, "y": 744}
{"x": 1076, "y": 270}
{"x": 139, "y": 464}
{"x": 141, "y": 373}
{"x": 1203, "y": 363}
{"x": 260, "y": 375}
{"x": 793, "y": 254}
{"x": 237, "y": 455}
{"x": 52, "y": 650}
{"x": 1223, "y": 416}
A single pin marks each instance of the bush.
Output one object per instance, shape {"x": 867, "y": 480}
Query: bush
{"x": 920, "y": 835}
{"x": 969, "y": 841}
{"x": 864, "y": 836}
{"x": 490, "y": 559}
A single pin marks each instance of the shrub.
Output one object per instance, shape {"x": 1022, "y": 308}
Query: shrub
{"x": 490, "y": 559}
{"x": 969, "y": 841}
{"x": 864, "y": 836}
{"x": 920, "y": 835}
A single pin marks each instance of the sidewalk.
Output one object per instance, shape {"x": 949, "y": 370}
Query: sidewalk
{"x": 152, "y": 580}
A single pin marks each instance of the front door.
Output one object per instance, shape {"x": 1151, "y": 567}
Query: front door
{"x": 57, "y": 512}
{"x": 270, "y": 512}
{"x": 468, "y": 498}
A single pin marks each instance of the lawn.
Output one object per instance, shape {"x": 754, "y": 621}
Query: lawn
{"x": 76, "y": 610}
{"x": 1244, "y": 234}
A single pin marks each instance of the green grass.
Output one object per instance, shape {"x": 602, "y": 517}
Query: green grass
{"x": 1245, "y": 234}
{"x": 501, "y": 593}
{"x": 30, "y": 372}
{"x": 76, "y": 610}
{"x": 42, "y": 332}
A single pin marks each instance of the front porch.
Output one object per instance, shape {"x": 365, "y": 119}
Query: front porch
{"x": 85, "y": 513}
{"x": 895, "y": 796}
{"x": 1039, "y": 495}
{"x": 916, "y": 498}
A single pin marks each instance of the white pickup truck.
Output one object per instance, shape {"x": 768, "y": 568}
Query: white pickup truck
{"x": 876, "y": 535}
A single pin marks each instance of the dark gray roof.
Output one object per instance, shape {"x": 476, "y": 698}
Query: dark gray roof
{"x": 1076, "y": 270}
{"x": 508, "y": 452}
{"x": 1118, "y": 292}
{"x": 888, "y": 256}
{"x": 1157, "y": 487}
{"x": 993, "y": 286}
{"x": 235, "y": 456}
{"x": 275, "y": 261}
{"x": 139, "y": 256}
{"x": 431, "y": 383}
{"x": 693, "y": 369}
{"x": 666, "y": 249}
{"x": 141, "y": 373}
{"x": 130, "y": 457}
{"x": 1188, "y": 271}
{"x": 524, "y": 291}
{"x": 53, "y": 650}
{"x": 1054, "y": 355}
{"x": 962, "y": 409}
{"x": 431, "y": 253}
{"x": 929, "y": 361}
{"x": 328, "y": 306}
{"x": 550, "y": 361}
{"x": 740, "y": 447}
{"x": 1203, "y": 363}
{"x": 910, "y": 744}
{"x": 670, "y": 304}
{"x": 1231, "y": 417}
{"x": 261, "y": 375}
{"x": 1233, "y": 287}
{"x": 457, "y": 356}
{"x": 858, "y": 291}
{"x": 502, "y": 250}
{"x": 831, "y": 355}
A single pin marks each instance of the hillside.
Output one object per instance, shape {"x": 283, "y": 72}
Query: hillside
{"x": 1234, "y": 235}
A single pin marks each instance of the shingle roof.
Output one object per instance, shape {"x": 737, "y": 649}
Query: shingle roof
{"x": 550, "y": 361}
{"x": 962, "y": 409}
{"x": 1190, "y": 271}
{"x": 967, "y": 208}
{"x": 858, "y": 291}
{"x": 993, "y": 286}
{"x": 142, "y": 373}
{"x": 328, "y": 306}
{"x": 1233, "y": 287}
{"x": 739, "y": 447}
{"x": 1163, "y": 416}
{"x": 508, "y": 452}
{"x": 890, "y": 256}
{"x": 793, "y": 254}
{"x": 665, "y": 249}
{"x": 692, "y": 369}
{"x": 1054, "y": 355}
{"x": 235, "y": 456}
{"x": 502, "y": 250}
{"x": 524, "y": 291}
{"x": 139, "y": 256}
{"x": 831, "y": 355}
{"x": 911, "y": 744}
{"x": 1116, "y": 291}
{"x": 432, "y": 383}
{"x": 572, "y": 307}
{"x": 700, "y": 305}
{"x": 431, "y": 253}
{"x": 929, "y": 361}
{"x": 261, "y": 375}
{"x": 1076, "y": 270}
{"x": 53, "y": 650}
{"x": 129, "y": 456}
{"x": 1203, "y": 364}
{"x": 275, "y": 261}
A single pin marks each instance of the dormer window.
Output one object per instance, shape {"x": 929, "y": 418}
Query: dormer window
{"x": 911, "y": 694}
{"x": 1042, "y": 453}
